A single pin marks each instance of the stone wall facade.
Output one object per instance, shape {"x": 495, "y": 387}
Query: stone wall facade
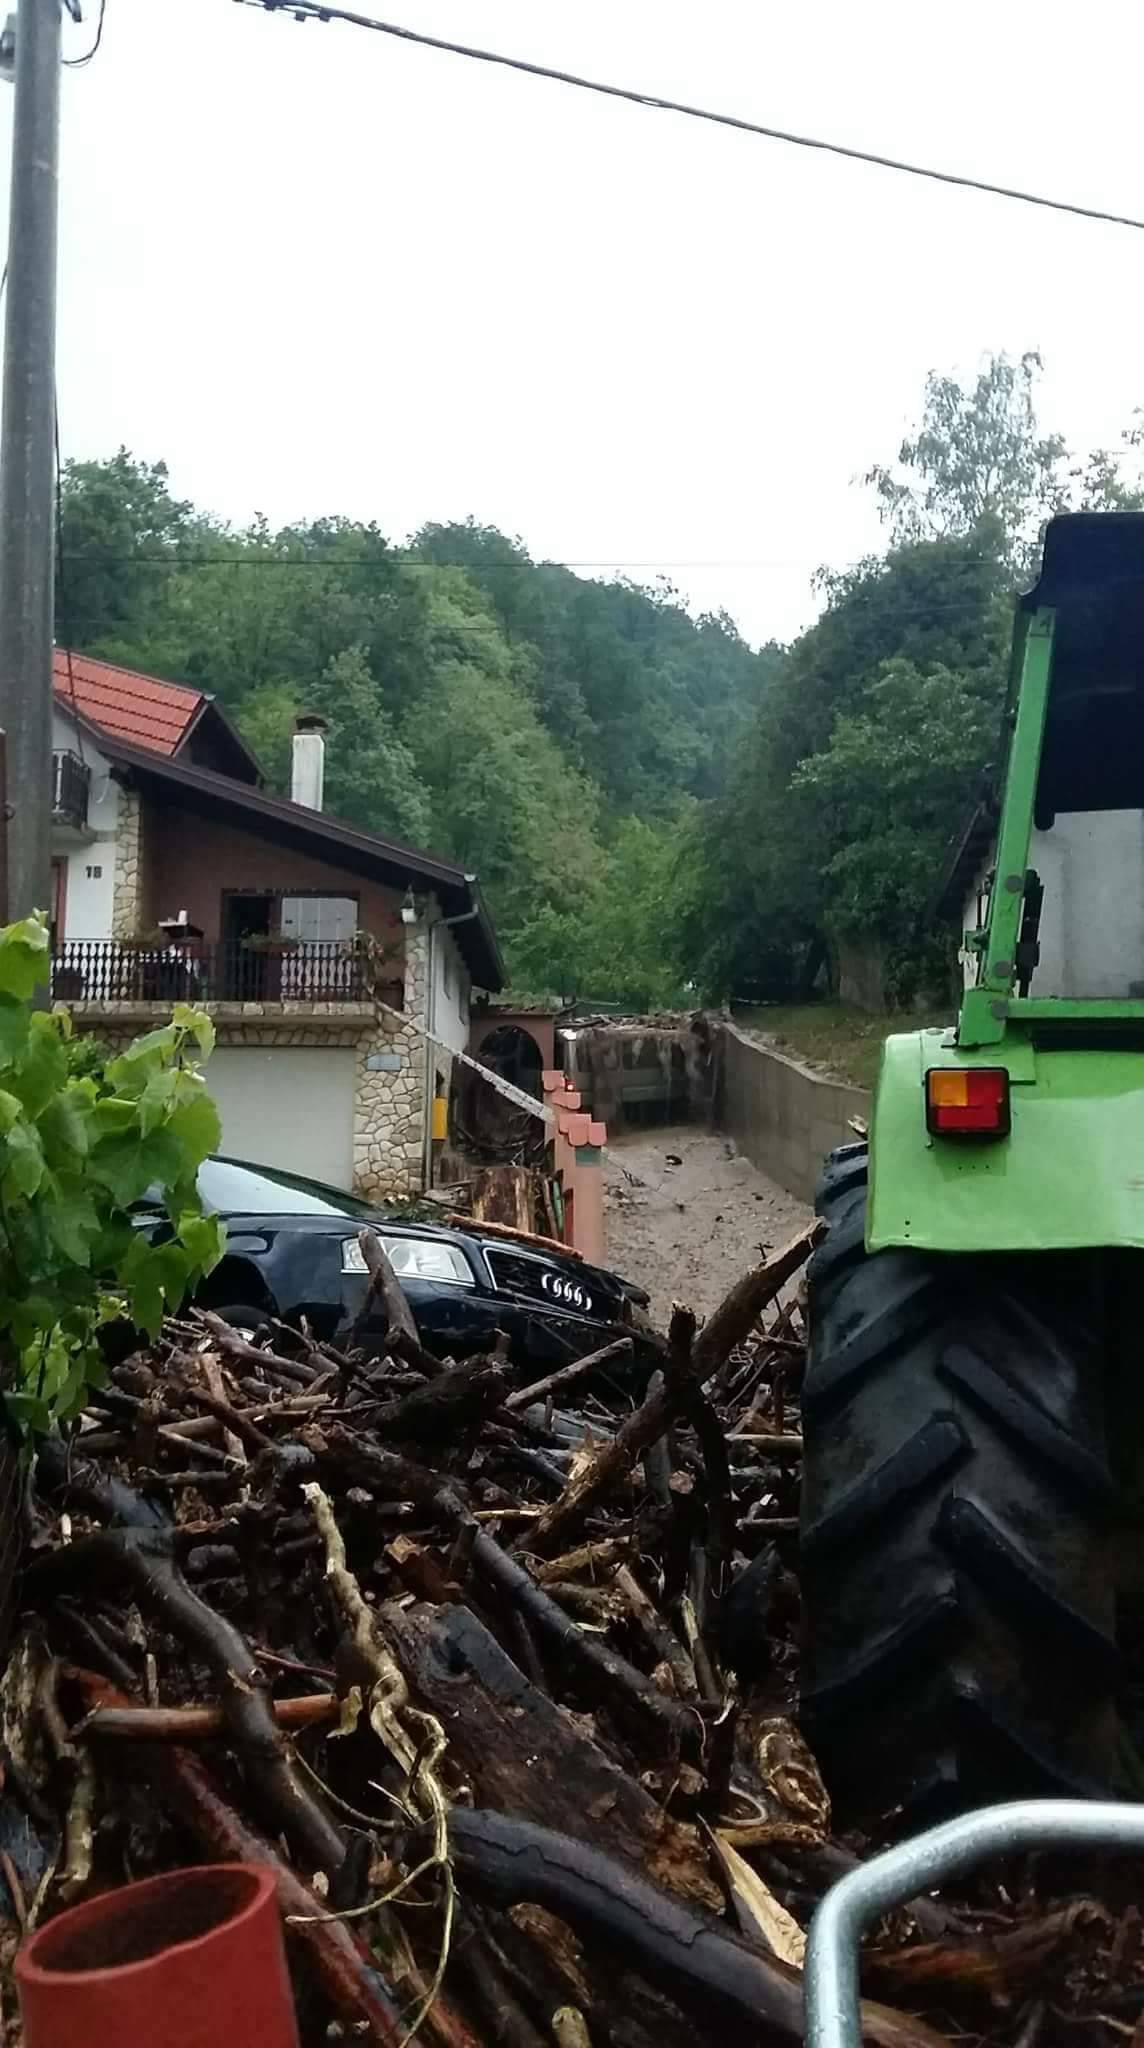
{"x": 127, "y": 882}
{"x": 389, "y": 1090}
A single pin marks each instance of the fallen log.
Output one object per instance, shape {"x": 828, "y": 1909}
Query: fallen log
{"x": 522, "y": 1754}
{"x": 515, "y": 1860}
{"x": 234, "y": 1346}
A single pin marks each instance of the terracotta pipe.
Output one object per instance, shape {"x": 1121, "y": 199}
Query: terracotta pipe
{"x": 192, "y": 1958}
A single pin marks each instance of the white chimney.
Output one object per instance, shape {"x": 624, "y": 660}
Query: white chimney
{"x": 308, "y": 767}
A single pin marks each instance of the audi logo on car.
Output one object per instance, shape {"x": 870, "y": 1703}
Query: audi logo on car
{"x": 569, "y": 1292}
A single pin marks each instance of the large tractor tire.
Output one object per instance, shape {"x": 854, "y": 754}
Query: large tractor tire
{"x": 957, "y": 1522}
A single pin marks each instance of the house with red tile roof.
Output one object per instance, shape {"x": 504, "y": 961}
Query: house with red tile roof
{"x": 172, "y": 719}
{"x": 337, "y": 963}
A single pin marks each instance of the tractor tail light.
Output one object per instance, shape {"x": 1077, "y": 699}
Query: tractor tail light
{"x": 967, "y": 1102}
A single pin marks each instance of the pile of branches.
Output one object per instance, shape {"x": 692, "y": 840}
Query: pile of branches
{"x": 497, "y": 1678}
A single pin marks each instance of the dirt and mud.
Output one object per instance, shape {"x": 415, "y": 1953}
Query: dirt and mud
{"x": 685, "y": 1212}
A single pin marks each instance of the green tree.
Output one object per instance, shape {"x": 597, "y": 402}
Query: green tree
{"x": 371, "y": 775}
{"x": 121, "y": 534}
{"x": 647, "y": 700}
{"x": 758, "y": 907}
{"x": 978, "y": 464}
{"x": 503, "y": 798}
{"x": 900, "y": 768}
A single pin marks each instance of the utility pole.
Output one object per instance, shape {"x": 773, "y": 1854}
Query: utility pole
{"x": 27, "y": 458}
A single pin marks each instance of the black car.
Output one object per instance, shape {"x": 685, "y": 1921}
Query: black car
{"x": 292, "y": 1250}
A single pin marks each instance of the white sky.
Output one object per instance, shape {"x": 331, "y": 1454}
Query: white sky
{"x": 320, "y": 271}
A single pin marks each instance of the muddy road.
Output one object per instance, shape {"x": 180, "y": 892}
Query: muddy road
{"x": 685, "y": 1231}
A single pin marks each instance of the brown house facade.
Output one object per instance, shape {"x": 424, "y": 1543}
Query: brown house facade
{"x": 337, "y": 965}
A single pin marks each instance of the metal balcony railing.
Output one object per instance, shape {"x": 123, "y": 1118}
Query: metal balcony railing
{"x": 71, "y": 786}
{"x": 118, "y": 971}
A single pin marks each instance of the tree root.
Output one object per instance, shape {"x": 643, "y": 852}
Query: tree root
{"x": 390, "y": 1709}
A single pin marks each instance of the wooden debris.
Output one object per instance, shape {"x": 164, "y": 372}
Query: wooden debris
{"x": 541, "y": 1797}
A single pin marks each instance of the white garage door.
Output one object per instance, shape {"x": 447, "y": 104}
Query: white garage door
{"x": 289, "y": 1106}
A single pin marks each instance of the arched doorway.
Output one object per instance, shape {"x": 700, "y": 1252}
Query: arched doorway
{"x": 490, "y": 1127}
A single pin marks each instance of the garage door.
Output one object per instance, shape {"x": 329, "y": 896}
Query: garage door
{"x": 290, "y": 1106}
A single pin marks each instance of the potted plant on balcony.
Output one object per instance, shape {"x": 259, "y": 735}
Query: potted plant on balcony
{"x": 270, "y": 942}
{"x": 379, "y": 958}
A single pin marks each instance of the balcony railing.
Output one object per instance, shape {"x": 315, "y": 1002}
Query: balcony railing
{"x": 111, "y": 971}
{"x": 71, "y": 784}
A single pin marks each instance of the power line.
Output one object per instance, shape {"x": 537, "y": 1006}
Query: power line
{"x": 317, "y": 10}
{"x": 81, "y": 63}
{"x": 335, "y": 564}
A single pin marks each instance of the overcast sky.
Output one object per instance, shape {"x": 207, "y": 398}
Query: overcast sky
{"x": 320, "y": 271}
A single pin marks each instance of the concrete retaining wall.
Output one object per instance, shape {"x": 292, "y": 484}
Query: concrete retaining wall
{"x": 782, "y": 1116}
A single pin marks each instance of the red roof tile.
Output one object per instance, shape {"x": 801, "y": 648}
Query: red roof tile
{"x": 138, "y": 708}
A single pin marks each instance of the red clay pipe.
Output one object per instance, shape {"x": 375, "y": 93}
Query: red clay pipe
{"x": 191, "y": 1959}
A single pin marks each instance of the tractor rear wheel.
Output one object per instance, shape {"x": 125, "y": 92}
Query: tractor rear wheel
{"x": 956, "y": 1521}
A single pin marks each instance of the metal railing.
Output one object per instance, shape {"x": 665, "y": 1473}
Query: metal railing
{"x": 122, "y": 971}
{"x": 71, "y": 786}
{"x": 833, "y": 2010}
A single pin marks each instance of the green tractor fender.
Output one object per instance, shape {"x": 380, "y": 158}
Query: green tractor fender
{"x": 1068, "y": 1176}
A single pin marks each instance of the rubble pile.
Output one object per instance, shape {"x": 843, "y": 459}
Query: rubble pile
{"x": 497, "y": 1679}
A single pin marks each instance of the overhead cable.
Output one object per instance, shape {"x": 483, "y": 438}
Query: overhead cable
{"x": 318, "y": 10}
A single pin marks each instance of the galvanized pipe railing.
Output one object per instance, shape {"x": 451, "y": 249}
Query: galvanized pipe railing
{"x": 849, "y": 1908}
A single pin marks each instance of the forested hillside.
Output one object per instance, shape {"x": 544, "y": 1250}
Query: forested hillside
{"x": 553, "y": 732}
{"x": 655, "y": 809}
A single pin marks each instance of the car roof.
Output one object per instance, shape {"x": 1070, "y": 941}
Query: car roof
{"x": 355, "y": 1208}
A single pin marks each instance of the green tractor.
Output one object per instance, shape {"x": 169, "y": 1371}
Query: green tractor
{"x": 974, "y": 1398}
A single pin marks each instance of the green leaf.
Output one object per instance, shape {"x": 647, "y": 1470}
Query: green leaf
{"x": 156, "y": 1098}
{"x": 142, "y": 1051}
{"x": 11, "y": 1109}
{"x": 112, "y": 1114}
{"x": 70, "y": 1398}
{"x": 43, "y": 1071}
{"x": 197, "y": 1025}
{"x": 23, "y": 1320}
{"x": 74, "y": 1225}
{"x": 204, "y": 1240}
{"x": 22, "y": 1158}
{"x": 195, "y": 1123}
{"x": 127, "y": 1164}
{"x": 14, "y": 1021}
{"x": 27, "y": 1414}
{"x": 24, "y": 960}
{"x": 63, "y": 1127}
{"x": 155, "y": 1277}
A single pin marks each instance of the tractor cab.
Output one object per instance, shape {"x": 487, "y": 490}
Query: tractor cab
{"x": 1021, "y": 1127}
{"x": 1075, "y": 789}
